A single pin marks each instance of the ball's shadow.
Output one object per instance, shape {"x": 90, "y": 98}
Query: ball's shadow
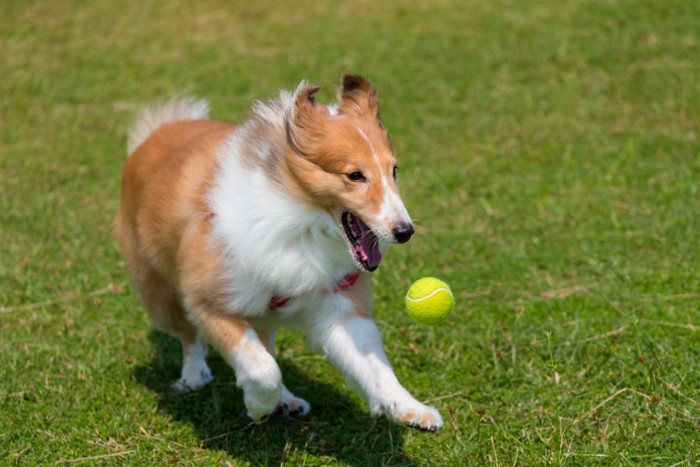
{"x": 338, "y": 427}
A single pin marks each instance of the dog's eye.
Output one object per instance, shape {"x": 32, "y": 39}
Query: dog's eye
{"x": 356, "y": 176}
{"x": 396, "y": 169}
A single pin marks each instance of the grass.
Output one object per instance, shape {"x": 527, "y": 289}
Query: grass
{"x": 549, "y": 151}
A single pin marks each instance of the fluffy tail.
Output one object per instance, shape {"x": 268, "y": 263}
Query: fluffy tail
{"x": 150, "y": 118}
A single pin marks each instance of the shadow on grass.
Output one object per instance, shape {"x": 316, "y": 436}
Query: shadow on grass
{"x": 337, "y": 428}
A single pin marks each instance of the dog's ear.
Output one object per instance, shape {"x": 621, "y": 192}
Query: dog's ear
{"x": 305, "y": 122}
{"x": 305, "y": 110}
{"x": 358, "y": 97}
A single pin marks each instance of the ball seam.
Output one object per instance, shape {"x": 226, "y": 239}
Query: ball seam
{"x": 441, "y": 289}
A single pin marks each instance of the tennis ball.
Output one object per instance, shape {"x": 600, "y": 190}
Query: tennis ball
{"x": 429, "y": 301}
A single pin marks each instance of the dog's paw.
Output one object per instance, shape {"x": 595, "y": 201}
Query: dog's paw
{"x": 258, "y": 375}
{"x": 195, "y": 371}
{"x": 416, "y": 415}
{"x": 262, "y": 388}
{"x": 261, "y": 401}
{"x": 193, "y": 382}
{"x": 292, "y": 406}
{"x": 424, "y": 418}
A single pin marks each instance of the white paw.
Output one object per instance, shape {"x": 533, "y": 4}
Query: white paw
{"x": 260, "y": 401}
{"x": 292, "y": 406}
{"x": 258, "y": 375}
{"x": 414, "y": 414}
{"x": 193, "y": 381}
{"x": 262, "y": 387}
{"x": 195, "y": 372}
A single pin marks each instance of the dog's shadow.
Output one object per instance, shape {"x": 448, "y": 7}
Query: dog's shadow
{"x": 338, "y": 427}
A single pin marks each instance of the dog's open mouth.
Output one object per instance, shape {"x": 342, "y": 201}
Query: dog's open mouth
{"x": 365, "y": 243}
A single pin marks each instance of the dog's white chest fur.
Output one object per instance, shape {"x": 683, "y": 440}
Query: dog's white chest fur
{"x": 273, "y": 245}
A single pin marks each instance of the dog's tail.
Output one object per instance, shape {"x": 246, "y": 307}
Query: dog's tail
{"x": 152, "y": 117}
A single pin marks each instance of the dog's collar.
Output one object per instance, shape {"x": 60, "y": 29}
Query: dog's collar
{"x": 345, "y": 283}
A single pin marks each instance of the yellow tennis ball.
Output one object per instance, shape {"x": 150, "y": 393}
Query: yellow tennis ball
{"x": 429, "y": 301}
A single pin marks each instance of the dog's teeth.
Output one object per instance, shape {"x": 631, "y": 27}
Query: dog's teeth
{"x": 351, "y": 225}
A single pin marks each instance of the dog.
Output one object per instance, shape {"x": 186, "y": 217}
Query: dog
{"x": 230, "y": 231}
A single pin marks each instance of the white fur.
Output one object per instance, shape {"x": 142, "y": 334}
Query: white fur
{"x": 195, "y": 371}
{"x": 150, "y": 118}
{"x": 392, "y": 210}
{"x": 292, "y": 405}
{"x": 353, "y": 344}
{"x": 289, "y": 404}
{"x": 257, "y": 374}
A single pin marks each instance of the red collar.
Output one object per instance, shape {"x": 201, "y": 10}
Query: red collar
{"x": 343, "y": 284}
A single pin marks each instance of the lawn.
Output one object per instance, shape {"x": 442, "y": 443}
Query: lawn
{"x": 549, "y": 153}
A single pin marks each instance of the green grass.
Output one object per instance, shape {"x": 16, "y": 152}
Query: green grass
{"x": 549, "y": 151}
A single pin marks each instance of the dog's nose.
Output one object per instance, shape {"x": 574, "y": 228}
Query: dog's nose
{"x": 402, "y": 233}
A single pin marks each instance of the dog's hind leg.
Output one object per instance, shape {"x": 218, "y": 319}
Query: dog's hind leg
{"x": 290, "y": 405}
{"x": 161, "y": 301}
{"x": 168, "y": 315}
{"x": 195, "y": 371}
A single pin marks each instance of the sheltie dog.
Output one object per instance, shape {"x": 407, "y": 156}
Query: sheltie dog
{"x": 230, "y": 231}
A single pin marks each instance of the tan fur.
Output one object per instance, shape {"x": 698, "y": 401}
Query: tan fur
{"x": 333, "y": 147}
{"x": 408, "y": 417}
{"x": 162, "y": 230}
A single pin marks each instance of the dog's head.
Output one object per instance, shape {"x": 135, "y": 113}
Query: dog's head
{"x": 343, "y": 161}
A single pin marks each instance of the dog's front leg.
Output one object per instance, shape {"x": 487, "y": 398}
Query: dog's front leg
{"x": 352, "y": 342}
{"x": 257, "y": 372}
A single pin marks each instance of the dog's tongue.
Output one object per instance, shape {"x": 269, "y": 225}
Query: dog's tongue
{"x": 368, "y": 246}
